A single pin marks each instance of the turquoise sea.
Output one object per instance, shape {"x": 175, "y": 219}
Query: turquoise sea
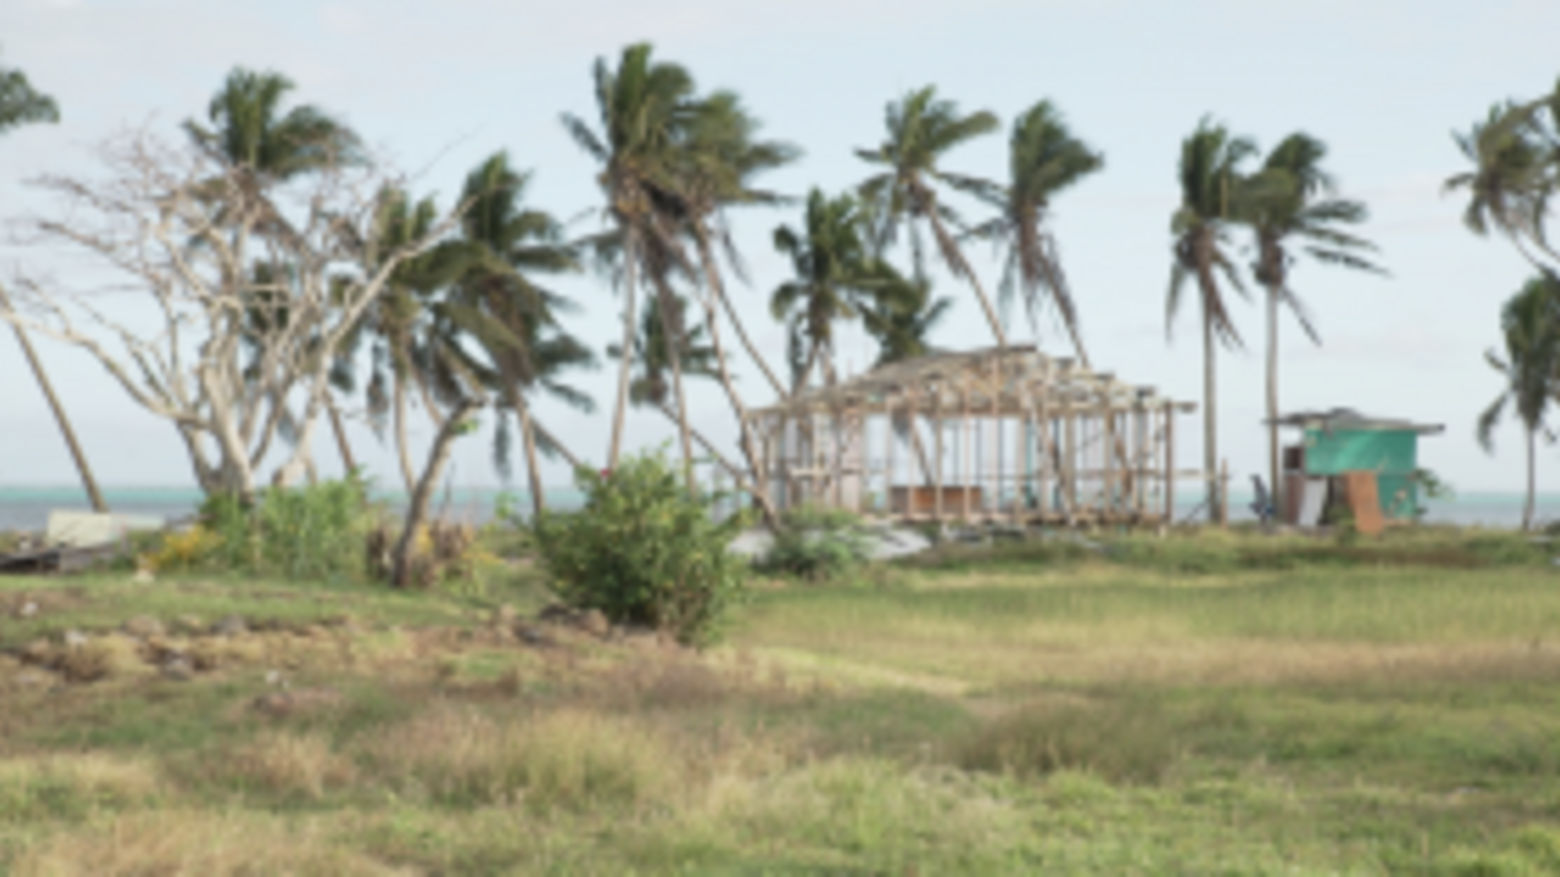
{"x": 27, "y": 508}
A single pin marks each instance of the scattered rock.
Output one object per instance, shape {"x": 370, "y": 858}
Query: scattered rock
{"x": 640, "y": 637}
{"x": 27, "y": 610}
{"x": 38, "y": 652}
{"x": 189, "y": 625}
{"x": 32, "y": 679}
{"x": 532, "y": 636}
{"x": 143, "y": 577}
{"x": 143, "y": 627}
{"x": 273, "y": 677}
{"x": 233, "y": 625}
{"x": 595, "y": 623}
{"x": 163, "y": 649}
{"x": 178, "y": 669}
{"x": 291, "y": 703}
{"x": 103, "y": 658}
{"x": 74, "y": 639}
{"x": 556, "y": 614}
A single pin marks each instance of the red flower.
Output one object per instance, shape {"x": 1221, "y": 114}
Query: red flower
{"x": 605, "y": 473}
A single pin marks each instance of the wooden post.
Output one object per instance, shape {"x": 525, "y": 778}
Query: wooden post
{"x": 1224, "y": 492}
{"x": 1110, "y": 460}
{"x": 937, "y": 454}
{"x": 837, "y": 421}
{"x": 1070, "y": 459}
{"x": 967, "y": 478}
{"x": 1169, "y": 464}
{"x": 888, "y": 456}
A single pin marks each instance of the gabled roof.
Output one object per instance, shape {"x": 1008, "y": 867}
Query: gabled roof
{"x": 1348, "y": 418}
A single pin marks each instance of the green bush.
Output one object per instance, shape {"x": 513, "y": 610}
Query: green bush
{"x": 644, "y": 551}
{"x": 311, "y": 532}
{"x": 818, "y": 545}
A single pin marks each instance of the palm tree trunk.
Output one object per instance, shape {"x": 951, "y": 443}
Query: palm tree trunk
{"x": 1527, "y": 509}
{"x": 1210, "y": 420}
{"x": 630, "y": 280}
{"x": 339, "y": 429}
{"x": 1275, "y": 485}
{"x": 83, "y": 470}
{"x": 712, "y": 277}
{"x": 402, "y": 444}
{"x": 563, "y": 449}
{"x": 528, "y": 442}
{"x": 417, "y": 508}
{"x": 949, "y": 247}
{"x": 1077, "y": 343}
{"x": 760, "y": 487}
{"x": 672, "y": 329}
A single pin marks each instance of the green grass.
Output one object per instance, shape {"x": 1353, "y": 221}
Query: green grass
{"x": 1161, "y": 709}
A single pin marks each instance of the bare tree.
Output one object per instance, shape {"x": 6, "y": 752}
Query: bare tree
{"x": 238, "y": 291}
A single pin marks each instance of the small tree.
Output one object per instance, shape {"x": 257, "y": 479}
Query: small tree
{"x": 255, "y": 282}
{"x": 644, "y": 551}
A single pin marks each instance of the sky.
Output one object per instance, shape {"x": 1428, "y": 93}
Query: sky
{"x": 436, "y": 87}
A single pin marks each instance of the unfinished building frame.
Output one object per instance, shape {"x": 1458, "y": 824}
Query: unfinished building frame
{"x": 1002, "y": 435}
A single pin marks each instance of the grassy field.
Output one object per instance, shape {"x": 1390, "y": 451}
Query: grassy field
{"x": 1215, "y": 704}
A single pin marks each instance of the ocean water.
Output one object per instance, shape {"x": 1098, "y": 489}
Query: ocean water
{"x": 27, "y": 508}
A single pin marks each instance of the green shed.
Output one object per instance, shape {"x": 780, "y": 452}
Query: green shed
{"x": 1342, "y": 441}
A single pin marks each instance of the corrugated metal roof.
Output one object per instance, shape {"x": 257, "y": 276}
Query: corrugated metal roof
{"x": 1348, "y": 418}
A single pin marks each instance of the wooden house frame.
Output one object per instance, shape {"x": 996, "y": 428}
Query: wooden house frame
{"x": 993, "y": 436}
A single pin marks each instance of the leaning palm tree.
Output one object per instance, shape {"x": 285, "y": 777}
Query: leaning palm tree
{"x": 21, "y": 104}
{"x": 651, "y": 387}
{"x": 1530, "y": 330}
{"x": 1044, "y": 160}
{"x": 512, "y": 317}
{"x": 1512, "y": 179}
{"x": 248, "y": 129}
{"x": 644, "y": 110}
{"x": 1292, "y": 209}
{"x": 830, "y": 282}
{"x": 921, "y": 130}
{"x": 902, "y": 317}
{"x": 1210, "y": 178}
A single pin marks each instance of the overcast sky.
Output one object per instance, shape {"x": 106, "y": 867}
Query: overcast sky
{"x": 440, "y": 85}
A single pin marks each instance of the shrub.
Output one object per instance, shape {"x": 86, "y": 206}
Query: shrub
{"x": 644, "y": 551}
{"x": 315, "y": 531}
{"x": 818, "y": 545}
{"x": 443, "y": 553}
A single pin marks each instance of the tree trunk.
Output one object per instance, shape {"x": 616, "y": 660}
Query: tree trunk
{"x": 83, "y": 471}
{"x": 951, "y": 249}
{"x": 712, "y": 276}
{"x": 760, "y": 486}
{"x": 533, "y": 467}
{"x": 417, "y": 508}
{"x": 1077, "y": 343}
{"x": 1210, "y": 419}
{"x": 402, "y": 444}
{"x": 343, "y": 447}
{"x": 563, "y": 449}
{"x": 625, "y": 365}
{"x": 1532, "y": 484}
{"x": 1275, "y": 475}
{"x": 671, "y": 329}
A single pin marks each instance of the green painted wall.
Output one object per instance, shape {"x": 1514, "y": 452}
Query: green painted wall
{"x": 1392, "y": 454}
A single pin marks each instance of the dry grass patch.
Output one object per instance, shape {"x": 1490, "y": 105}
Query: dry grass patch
{"x": 174, "y": 843}
{"x": 286, "y": 763}
{"x": 53, "y": 786}
{"x": 570, "y": 759}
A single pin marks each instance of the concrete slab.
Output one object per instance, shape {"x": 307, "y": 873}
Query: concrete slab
{"x": 86, "y": 529}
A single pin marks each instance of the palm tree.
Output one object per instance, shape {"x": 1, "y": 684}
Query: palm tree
{"x": 1290, "y": 206}
{"x": 645, "y": 109}
{"x": 1529, "y": 330}
{"x": 1044, "y": 160}
{"x": 1512, "y": 178}
{"x": 511, "y": 316}
{"x": 250, "y": 133}
{"x": 21, "y": 104}
{"x": 1210, "y": 178}
{"x": 249, "y": 130}
{"x": 921, "y": 130}
{"x": 831, "y": 280}
{"x": 903, "y": 316}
